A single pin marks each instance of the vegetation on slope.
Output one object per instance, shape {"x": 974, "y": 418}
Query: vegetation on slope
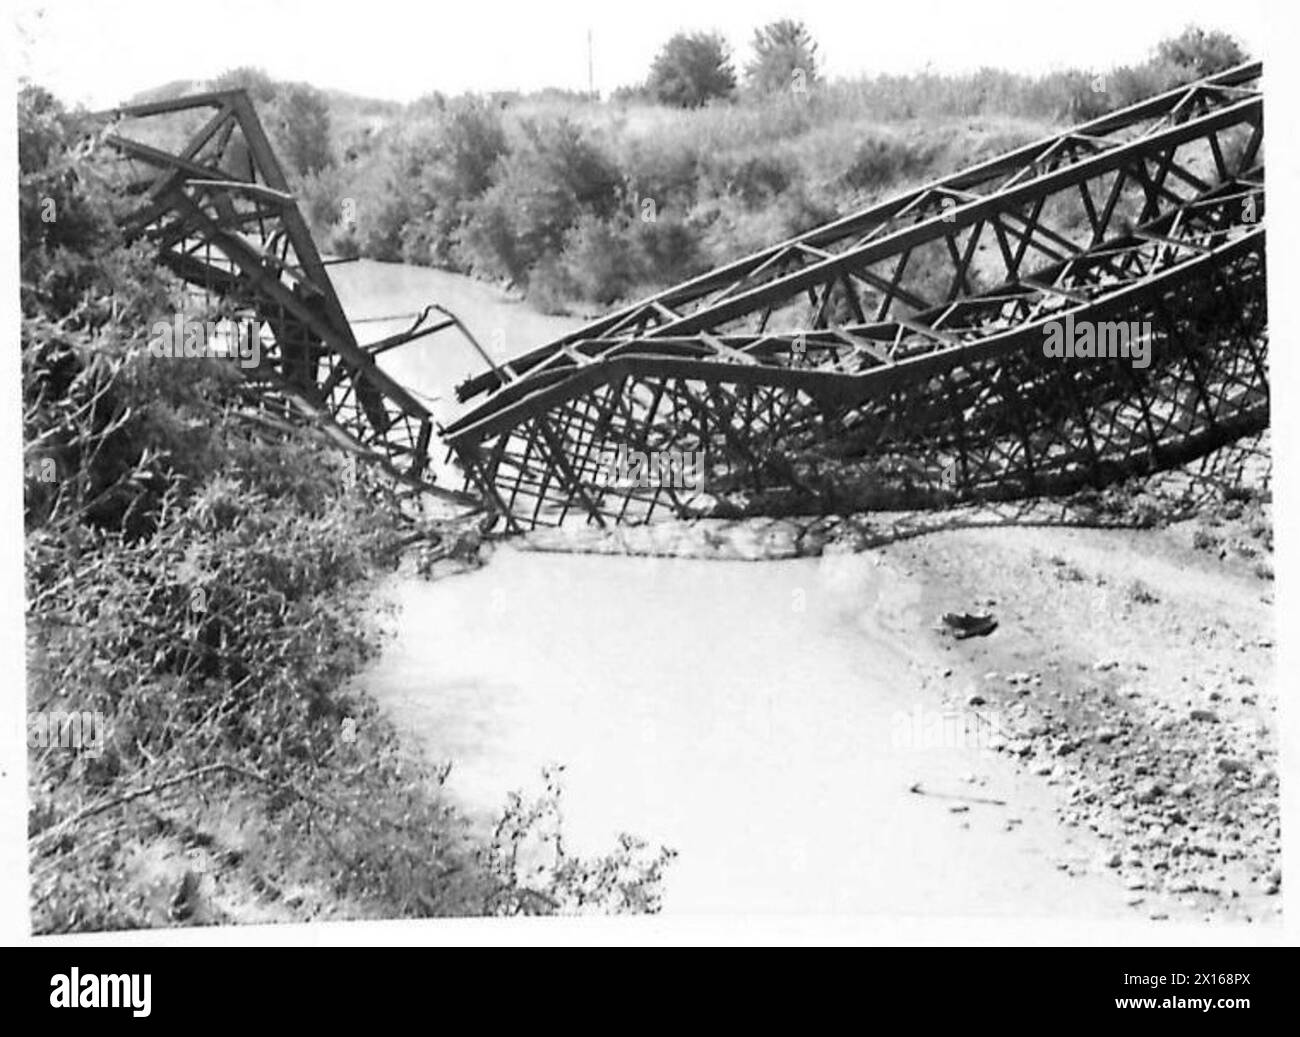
{"x": 581, "y": 204}
{"x": 196, "y": 605}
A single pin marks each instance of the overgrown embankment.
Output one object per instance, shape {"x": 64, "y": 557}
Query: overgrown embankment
{"x": 196, "y": 603}
{"x": 580, "y": 203}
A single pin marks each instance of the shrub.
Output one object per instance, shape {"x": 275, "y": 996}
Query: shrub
{"x": 490, "y": 242}
{"x": 261, "y": 88}
{"x": 1202, "y": 53}
{"x": 470, "y": 141}
{"x": 543, "y": 186}
{"x": 343, "y": 242}
{"x": 320, "y": 196}
{"x": 301, "y": 128}
{"x": 881, "y": 160}
{"x": 754, "y": 179}
{"x": 550, "y": 288}
{"x": 1085, "y": 96}
{"x": 382, "y": 234}
{"x": 447, "y": 165}
{"x": 1133, "y": 83}
{"x": 664, "y": 170}
{"x": 601, "y": 259}
{"x": 669, "y": 249}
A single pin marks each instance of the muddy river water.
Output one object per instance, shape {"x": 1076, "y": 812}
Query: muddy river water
{"x": 764, "y": 719}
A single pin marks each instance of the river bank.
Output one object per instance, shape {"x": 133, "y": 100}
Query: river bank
{"x": 756, "y": 694}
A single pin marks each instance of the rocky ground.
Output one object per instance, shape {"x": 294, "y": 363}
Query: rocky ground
{"x": 1131, "y": 669}
{"x": 1133, "y": 675}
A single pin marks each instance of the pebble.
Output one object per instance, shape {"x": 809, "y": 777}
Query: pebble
{"x": 1172, "y": 797}
{"x": 1149, "y": 792}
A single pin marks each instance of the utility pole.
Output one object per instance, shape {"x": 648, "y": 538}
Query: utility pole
{"x": 591, "y": 79}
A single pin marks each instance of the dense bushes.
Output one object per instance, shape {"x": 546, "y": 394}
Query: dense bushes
{"x": 544, "y": 185}
{"x": 881, "y": 160}
{"x": 1202, "y": 53}
{"x": 580, "y": 203}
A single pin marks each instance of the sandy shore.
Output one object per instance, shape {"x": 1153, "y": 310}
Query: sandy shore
{"x": 1131, "y": 672}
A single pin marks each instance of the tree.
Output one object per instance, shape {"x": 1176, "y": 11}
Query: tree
{"x": 261, "y": 87}
{"x": 303, "y": 130}
{"x": 784, "y": 54}
{"x": 542, "y": 188}
{"x": 1204, "y": 53}
{"x": 471, "y": 140}
{"x": 691, "y": 69}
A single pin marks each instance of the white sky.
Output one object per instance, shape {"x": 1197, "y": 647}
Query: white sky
{"x": 99, "y": 52}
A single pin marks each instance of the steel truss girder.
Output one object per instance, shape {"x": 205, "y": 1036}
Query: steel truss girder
{"x": 224, "y": 220}
{"x": 1170, "y": 201}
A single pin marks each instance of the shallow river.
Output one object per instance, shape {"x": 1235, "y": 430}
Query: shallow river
{"x": 753, "y": 716}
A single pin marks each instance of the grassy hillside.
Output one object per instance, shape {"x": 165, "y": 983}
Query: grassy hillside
{"x": 581, "y": 203}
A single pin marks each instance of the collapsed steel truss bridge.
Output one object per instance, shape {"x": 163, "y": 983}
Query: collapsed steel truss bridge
{"x": 892, "y": 358}
{"x": 220, "y": 211}
{"x": 895, "y": 357}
